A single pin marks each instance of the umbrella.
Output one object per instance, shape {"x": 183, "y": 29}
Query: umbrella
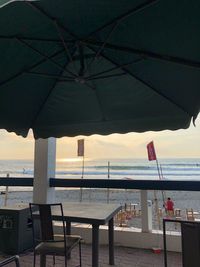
{"x": 98, "y": 66}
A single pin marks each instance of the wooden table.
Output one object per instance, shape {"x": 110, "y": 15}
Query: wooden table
{"x": 95, "y": 214}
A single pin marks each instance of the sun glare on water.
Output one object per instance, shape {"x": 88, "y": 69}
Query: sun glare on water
{"x": 70, "y": 159}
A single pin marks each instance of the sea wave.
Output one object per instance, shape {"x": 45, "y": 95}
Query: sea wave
{"x": 124, "y": 173}
{"x": 129, "y": 167}
{"x": 119, "y": 168}
{"x": 181, "y": 164}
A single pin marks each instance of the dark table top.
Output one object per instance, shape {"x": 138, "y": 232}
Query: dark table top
{"x": 93, "y": 213}
{"x": 82, "y": 212}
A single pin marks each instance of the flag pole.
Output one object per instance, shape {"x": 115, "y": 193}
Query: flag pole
{"x": 108, "y": 190}
{"x": 159, "y": 175}
{"x": 152, "y": 156}
{"x": 81, "y": 189}
{"x": 156, "y": 200}
{"x": 83, "y": 165}
{"x": 81, "y": 153}
{"x": 163, "y": 192}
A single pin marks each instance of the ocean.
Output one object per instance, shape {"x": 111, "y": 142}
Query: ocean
{"x": 170, "y": 169}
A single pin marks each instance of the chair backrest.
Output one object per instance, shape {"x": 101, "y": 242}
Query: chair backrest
{"x": 190, "y": 214}
{"x": 10, "y": 260}
{"x": 42, "y": 216}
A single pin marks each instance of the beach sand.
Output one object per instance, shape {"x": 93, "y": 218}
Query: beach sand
{"x": 182, "y": 200}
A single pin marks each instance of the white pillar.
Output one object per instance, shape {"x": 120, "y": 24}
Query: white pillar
{"x": 146, "y": 209}
{"x": 44, "y": 168}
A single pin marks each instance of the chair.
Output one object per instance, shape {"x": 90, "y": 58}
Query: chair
{"x": 177, "y": 212}
{"x": 120, "y": 219}
{"x": 190, "y": 214}
{"x": 45, "y": 241}
{"x": 9, "y": 260}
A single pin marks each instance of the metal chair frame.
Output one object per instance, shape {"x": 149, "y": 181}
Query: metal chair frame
{"x": 41, "y": 216}
{"x": 10, "y": 260}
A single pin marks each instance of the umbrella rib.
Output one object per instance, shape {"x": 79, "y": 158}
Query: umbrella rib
{"x": 65, "y": 46}
{"x": 101, "y": 47}
{"x": 135, "y": 51}
{"x": 65, "y": 80}
{"x": 35, "y": 39}
{"x": 148, "y": 85}
{"x": 118, "y": 19}
{"x": 113, "y": 69}
{"x": 90, "y": 86}
{"x": 107, "y": 76}
{"x": 82, "y": 62}
{"x": 148, "y": 54}
{"x": 49, "y": 75}
{"x": 53, "y": 21}
{"x": 45, "y": 56}
{"x": 32, "y": 67}
{"x": 39, "y": 10}
{"x": 97, "y": 97}
{"x": 44, "y": 102}
{"x": 67, "y": 30}
{"x": 98, "y": 100}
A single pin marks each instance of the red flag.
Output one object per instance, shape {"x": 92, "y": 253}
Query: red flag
{"x": 81, "y": 147}
{"x": 151, "y": 151}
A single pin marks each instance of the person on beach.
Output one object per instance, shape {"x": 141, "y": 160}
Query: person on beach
{"x": 169, "y": 206}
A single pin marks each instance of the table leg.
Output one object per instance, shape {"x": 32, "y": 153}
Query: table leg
{"x": 95, "y": 245}
{"x": 68, "y": 228}
{"x": 111, "y": 241}
{"x": 42, "y": 260}
{"x": 68, "y": 232}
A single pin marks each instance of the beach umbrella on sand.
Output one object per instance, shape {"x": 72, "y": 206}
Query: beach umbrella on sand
{"x": 98, "y": 67}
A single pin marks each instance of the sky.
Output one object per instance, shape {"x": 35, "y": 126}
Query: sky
{"x": 168, "y": 144}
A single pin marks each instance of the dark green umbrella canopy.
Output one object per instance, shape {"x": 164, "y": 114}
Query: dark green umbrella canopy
{"x": 98, "y": 66}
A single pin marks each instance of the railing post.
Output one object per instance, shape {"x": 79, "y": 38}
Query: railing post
{"x": 44, "y": 168}
{"x": 146, "y": 210}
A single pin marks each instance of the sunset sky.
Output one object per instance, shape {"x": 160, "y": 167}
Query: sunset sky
{"x": 168, "y": 144}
